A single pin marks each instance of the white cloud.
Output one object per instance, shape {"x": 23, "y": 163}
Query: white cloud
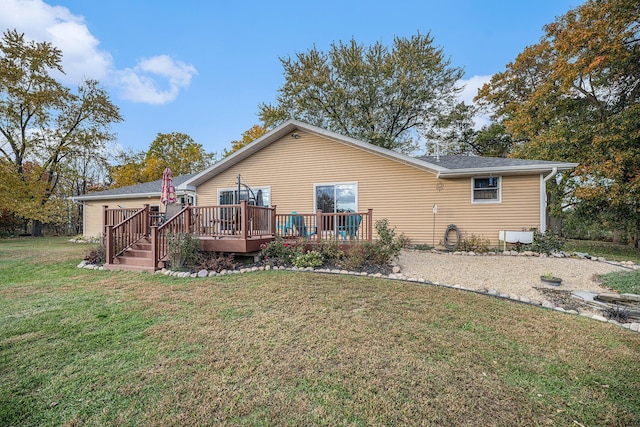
{"x": 82, "y": 57}
{"x": 471, "y": 86}
{"x": 140, "y": 83}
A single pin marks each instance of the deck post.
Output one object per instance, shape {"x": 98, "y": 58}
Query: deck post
{"x": 273, "y": 220}
{"x": 370, "y": 225}
{"x": 145, "y": 220}
{"x": 108, "y": 239}
{"x": 319, "y": 225}
{"x": 187, "y": 220}
{"x": 244, "y": 221}
{"x": 154, "y": 245}
{"x": 104, "y": 218}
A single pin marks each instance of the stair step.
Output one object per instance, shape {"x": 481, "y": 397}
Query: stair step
{"x": 141, "y": 262}
{"x": 137, "y": 253}
{"x": 142, "y": 246}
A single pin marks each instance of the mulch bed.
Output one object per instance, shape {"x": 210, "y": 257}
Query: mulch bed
{"x": 562, "y": 298}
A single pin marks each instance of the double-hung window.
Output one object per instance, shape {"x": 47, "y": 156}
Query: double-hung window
{"x": 486, "y": 190}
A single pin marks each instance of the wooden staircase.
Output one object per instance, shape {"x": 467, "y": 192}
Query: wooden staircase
{"x": 136, "y": 258}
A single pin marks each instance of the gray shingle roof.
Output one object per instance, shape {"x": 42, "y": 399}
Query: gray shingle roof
{"x": 473, "y": 162}
{"x": 151, "y": 187}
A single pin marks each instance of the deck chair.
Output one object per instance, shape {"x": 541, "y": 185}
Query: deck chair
{"x": 350, "y": 228}
{"x": 171, "y": 211}
{"x": 297, "y": 222}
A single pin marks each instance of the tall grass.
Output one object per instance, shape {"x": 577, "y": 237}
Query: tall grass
{"x": 80, "y": 347}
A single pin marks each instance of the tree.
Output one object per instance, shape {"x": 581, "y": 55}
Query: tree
{"x": 250, "y": 135}
{"x": 575, "y": 96}
{"x": 177, "y": 151}
{"x": 43, "y": 125}
{"x": 370, "y": 93}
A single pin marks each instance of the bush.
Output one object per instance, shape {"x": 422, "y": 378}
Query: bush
{"x": 215, "y": 262}
{"x": 330, "y": 250}
{"x": 547, "y": 242}
{"x": 182, "y": 250}
{"x": 388, "y": 245}
{"x": 474, "y": 244}
{"x": 309, "y": 259}
{"x": 355, "y": 259}
{"x": 280, "y": 253}
{"x": 97, "y": 255}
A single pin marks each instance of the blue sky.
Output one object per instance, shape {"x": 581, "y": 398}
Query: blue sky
{"x": 203, "y": 67}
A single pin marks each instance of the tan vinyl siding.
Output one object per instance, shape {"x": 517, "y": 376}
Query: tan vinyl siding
{"x": 403, "y": 194}
{"x": 93, "y": 211}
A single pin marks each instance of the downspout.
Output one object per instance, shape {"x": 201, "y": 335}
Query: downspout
{"x": 543, "y": 198}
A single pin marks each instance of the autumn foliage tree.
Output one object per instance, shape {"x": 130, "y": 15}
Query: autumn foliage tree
{"x": 250, "y": 135}
{"x": 372, "y": 93}
{"x": 43, "y": 127}
{"x": 177, "y": 151}
{"x": 575, "y": 96}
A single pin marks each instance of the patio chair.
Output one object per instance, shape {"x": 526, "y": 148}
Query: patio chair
{"x": 297, "y": 222}
{"x": 350, "y": 228}
{"x": 170, "y": 211}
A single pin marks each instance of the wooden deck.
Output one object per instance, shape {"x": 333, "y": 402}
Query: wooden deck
{"x": 239, "y": 229}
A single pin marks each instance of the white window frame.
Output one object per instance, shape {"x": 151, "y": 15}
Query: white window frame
{"x": 485, "y": 201}
{"x": 254, "y": 189}
{"x": 321, "y": 184}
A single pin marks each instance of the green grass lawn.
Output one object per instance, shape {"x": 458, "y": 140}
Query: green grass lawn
{"x": 610, "y": 251}
{"x": 81, "y": 347}
{"x": 623, "y": 282}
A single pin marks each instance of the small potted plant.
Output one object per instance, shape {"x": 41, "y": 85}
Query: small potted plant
{"x": 550, "y": 279}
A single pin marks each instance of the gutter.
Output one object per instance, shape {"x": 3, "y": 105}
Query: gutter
{"x": 553, "y": 173}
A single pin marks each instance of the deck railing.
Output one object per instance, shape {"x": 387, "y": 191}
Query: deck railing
{"x": 345, "y": 227}
{"x": 124, "y": 227}
{"x": 241, "y": 221}
{"x": 133, "y": 226}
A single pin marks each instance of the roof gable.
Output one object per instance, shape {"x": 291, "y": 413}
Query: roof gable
{"x": 446, "y": 166}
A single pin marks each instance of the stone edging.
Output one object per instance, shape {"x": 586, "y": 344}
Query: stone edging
{"x": 396, "y": 275}
{"x": 625, "y": 264}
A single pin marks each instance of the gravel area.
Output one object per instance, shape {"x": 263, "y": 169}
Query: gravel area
{"x": 516, "y": 275}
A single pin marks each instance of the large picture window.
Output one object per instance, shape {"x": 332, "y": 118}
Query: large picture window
{"x": 486, "y": 190}
{"x": 338, "y": 197}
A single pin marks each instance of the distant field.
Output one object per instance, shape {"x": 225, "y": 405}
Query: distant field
{"x": 80, "y": 347}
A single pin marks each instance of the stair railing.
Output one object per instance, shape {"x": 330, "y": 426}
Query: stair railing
{"x": 179, "y": 223}
{"x": 125, "y": 234}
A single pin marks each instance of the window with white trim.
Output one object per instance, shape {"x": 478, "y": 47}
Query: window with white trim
{"x": 260, "y": 196}
{"x": 336, "y": 197}
{"x": 486, "y": 190}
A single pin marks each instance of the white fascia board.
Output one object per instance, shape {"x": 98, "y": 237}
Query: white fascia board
{"x": 506, "y": 170}
{"x": 89, "y": 197}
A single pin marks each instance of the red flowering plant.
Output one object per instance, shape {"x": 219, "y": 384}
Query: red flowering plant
{"x": 280, "y": 253}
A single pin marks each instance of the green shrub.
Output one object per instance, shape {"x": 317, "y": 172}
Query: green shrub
{"x": 309, "y": 259}
{"x": 547, "y": 242}
{"x": 330, "y": 250}
{"x": 279, "y": 252}
{"x": 388, "y": 245}
{"x": 182, "y": 250}
{"x": 474, "y": 243}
